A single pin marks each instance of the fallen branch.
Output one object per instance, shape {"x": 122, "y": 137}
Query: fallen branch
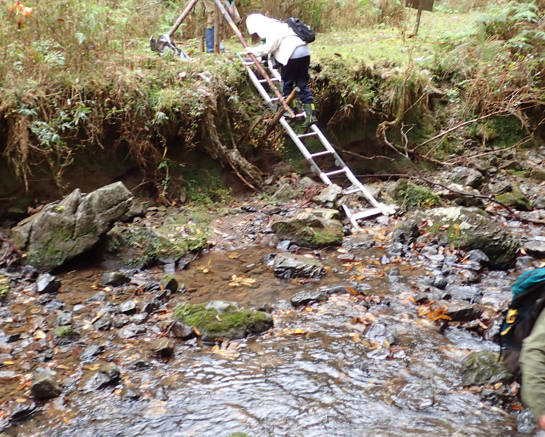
{"x": 429, "y": 181}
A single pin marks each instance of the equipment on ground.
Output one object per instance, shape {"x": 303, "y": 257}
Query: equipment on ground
{"x": 527, "y": 304}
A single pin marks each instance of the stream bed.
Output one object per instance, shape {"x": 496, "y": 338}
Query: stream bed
{"x": 364, "y": 363}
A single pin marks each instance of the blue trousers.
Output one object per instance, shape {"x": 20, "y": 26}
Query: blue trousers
{"x": 295, "y": 73}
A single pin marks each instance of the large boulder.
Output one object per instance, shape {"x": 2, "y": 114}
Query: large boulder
{"x": 65, "y": 229}
{"x": 470, "y": 228}
{"x": 310, "y": 230}
{"x": 223, "y": 320}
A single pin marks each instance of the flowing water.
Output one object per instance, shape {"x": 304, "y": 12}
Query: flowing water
{"x": 319, "y": 372}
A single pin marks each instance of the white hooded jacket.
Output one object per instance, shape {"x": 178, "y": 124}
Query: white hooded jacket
{"x": 280, "y": 39}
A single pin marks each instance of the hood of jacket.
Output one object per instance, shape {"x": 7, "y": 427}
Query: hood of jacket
{"x": 262, "y": 25}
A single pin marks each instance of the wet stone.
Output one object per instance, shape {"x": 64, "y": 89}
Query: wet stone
{"x": 128, "y": 307}
{"x": 294, "y": 266}
{"x": 182, "y": 331}
{"x": 394, "y": 271}
{"x": 99, "y": 381}
{"x": 20, "y": 410}
{"x": 90, "y": 353}
{"x": 139, "y": 319}
{"x": 466, "y": 292}
{"x": 429, "y": 250}
{"x": 415, "y": 397}
{"x": 169, "y": 283}
{"x": 54, "y": 305}
{"x": 104, "y": 323}
{"x": 64, "y": 318}
{"x": 163, "y": 347}
{"x": 149, "y": 307}
{"x": 380, "y": 334}
{"x": 525, "y": 422}
{"x": 131, "y": 331}
{"x": 10, "y": 338}
{"x": 8, "y": 376}
{"x": 284, "y": 245}
{"x": 114, "y": 279}
{"x": 484, "y": 368}
{"x": 440, "y": 282}
{"x": 44, "y": 384}
{"x": 47, "y": 283}
{"x": 385, "y": 260}
{"x": 99, "y": 296}
{"x": 130, "y": 393}
{"x": 307, "y": 297}
{"x": 478, "y": 256}
{"x": 120, "y": 320}
{"x": 396, "y": 249}
{"x": 463, "y": 313}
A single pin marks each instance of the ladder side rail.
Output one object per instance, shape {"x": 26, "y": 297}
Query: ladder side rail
{"x": 304, "y": 150}
{"x": 259, "y": 87}
{"x": 364, "y": 190}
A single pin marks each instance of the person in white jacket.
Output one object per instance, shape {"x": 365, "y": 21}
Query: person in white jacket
{"x": 290, "y": 51}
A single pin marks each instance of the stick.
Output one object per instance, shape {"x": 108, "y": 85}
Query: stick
{"x": 179, "y": 21}
{"x": 216, "y": 31}
{"x": 257, "y": 63}
{"x": 279, "y": 114}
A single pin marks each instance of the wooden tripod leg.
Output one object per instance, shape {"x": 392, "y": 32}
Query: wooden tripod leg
{"x": 216, "y": 31}
{"x": 182, "y": 17}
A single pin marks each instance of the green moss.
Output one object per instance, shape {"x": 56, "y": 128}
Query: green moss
{"x": 4, "y": 286}
{"x": 515, "y": 199}
{"x": 209, "y": 320}
{"x": 64, "y": 332}
{"x": 411, "y": 195}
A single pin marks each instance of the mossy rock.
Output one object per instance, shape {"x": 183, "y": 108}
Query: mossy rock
{"x": 485, "y": 368}
{"x": 223, "y": 320}
{"x": 410, "y": 195}
{"x": 470, "y": 228}
{"x": 515, "y": 199}
{"x": 310, "y": 231}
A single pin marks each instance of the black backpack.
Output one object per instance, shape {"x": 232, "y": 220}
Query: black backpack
{"x": 302, "y": 30}
{"x": 527, "y": 304}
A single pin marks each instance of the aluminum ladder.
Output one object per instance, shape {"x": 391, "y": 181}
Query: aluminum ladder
{"x": 328, "y": 150}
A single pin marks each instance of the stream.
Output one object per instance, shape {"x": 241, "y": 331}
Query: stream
{"x": 356, "y": 365}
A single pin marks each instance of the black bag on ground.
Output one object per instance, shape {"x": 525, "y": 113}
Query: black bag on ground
{"x": 302, "y": 30}
{"x": 527, "y": 304}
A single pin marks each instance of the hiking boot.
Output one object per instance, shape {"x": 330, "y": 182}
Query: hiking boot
{"x": 310, "y": 114}
{"x": 294, "y": 108}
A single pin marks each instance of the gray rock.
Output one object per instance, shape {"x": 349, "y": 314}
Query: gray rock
{"x": 169, "y": 283}
{"x": 440, "y": 282}
{"x": 65, "y": 229}
{"x": 307, "y": 297}
{"x": 463, "y": 313}
{"x": 130, "y": 393}
{"x": 406, "y": 233}
{"x": 500, "y": 187}
{"x": 535, "y": 248}
{"x": 20, "y": 410}
{"x": 307, "y": 182}
{"x": 465, "y": 292}
{"x": 289, "y": 266}
{"x": 330, "y": 197}
{"x": 104, "y": 323}
{"x": 469, "y": 229}
{"x": 99, "y": 296}
{"x": 107, "y": 375}
{"x": 286, "y": 193}
{"x": 478, "y": 256}
{"x": 90, "y": 353}
{"x": 44, "y": 384}
{"x": 114, "y": 279}
{"x": 139, "y": 319}
{"x": 131, "y": 331}
{"x": 63, "y": 318}
{"x": 307, "y": 230}
{"x": 8, "y": 376}
{"x": 163, "y": 347}
{"x": 467, "y": 176}
{"x": 380, "y": 334}
{"x": 47, "y": 283}
{"x": 128, "y": 307}
{"x": 182, "y": 331}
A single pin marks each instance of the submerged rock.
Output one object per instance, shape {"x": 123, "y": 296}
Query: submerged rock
{"x": 223, "y": 320}
{"x": 485, "y": 368}
{"x": 289, "y": 266}
{"x": 65, "y": 229}
{"x": 306, "y": 297}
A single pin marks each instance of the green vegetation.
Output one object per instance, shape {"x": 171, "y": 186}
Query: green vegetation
{"x": 78, "y": 77}
{"x": 64, "y": 332}
{"x": 411, "y": 195}
{"x": 4, "y": 286}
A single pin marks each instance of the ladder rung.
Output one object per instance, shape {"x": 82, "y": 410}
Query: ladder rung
{"x": 334, "y": 172}
{"x": 312, "y": 134}
{"x": 325, "y": 152}
{"x": 248, "y": 62}
{"x": 355, "y": 190}
{"x": 272, "y": 79}
{"x": 366, "y": 213}
{"x": 274, "y": 99}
